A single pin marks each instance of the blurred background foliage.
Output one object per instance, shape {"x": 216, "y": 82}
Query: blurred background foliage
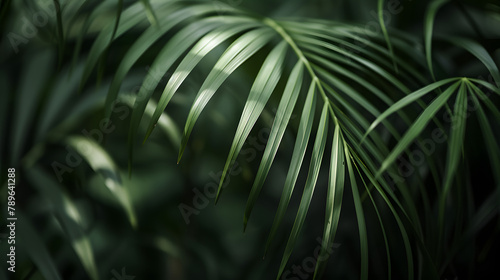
{"x": 81, "y": 216}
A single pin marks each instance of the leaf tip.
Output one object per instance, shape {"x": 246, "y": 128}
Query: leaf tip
{"x": 148, "y": 133}
{"x": 217, "y": 196}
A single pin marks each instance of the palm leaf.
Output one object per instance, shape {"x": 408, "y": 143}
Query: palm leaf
{"x": 317, "y": 156}
{"x": 283, "y": 114}
{"x": 418, "y": 126}
{"x": 334, "y": 198}
{"x": 100, "y": 161}
{"x": 363, "y": 238}
{"x": 239, "y": 51}
{"x": 263, "y": 87}
{"x": 456, "y": 142}
{"x": 430, "y": 16}
{"x": 299, "y": 150}
{"x": 380, "y": 9}
{"x": 69, "y": 217}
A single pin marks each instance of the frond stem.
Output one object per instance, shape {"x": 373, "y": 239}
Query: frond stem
{"x": 274, "y": 25}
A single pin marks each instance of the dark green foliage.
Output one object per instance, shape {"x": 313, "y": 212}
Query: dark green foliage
{"x": 384, "y": 139}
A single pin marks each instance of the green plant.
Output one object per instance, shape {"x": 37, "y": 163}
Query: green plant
{"x": 339, "y": 79}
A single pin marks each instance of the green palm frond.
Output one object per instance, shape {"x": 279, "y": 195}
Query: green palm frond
{"x": 340, "y": 74}
{"x": 370, "y": 97}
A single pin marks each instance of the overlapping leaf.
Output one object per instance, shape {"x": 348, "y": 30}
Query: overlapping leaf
{"x": 314, "y": 168}
{"x": 69, "y": 217}
{"x": 281, "y": 120}
{"x": 263, "y": 87}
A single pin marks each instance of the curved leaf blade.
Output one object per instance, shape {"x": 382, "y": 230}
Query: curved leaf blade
{"x": 418, "y": 126}
{"x": 165, "y": 122}
{"x": 239, "y": 51}
{"x": 380, "y": 9}
{"x": 144, "y": 42}
{"x": 68, "y": 216}
{"x": 130, "y": 17}
{"x": 299, "y": 151}
{"x": 405, "y": 101}
{"x": 457, "y": 136}
{"x": 101, "y": 162}
{"x": 168, "y": 55}
{"x": 312, "y": 176}
{"x": 489, "y": 137}
{"x": 285, "y": 109}
{"x": 454, "y": 150}
{"x": 262, "y": 88}
{"x": 480, "y": 53}
{"x": 195, "y": 55}
{"x": 430, "y": 16}
{"x": 334, "y": 199}
{"x": 360, "y": 217}
{"x": 150, "y": 13}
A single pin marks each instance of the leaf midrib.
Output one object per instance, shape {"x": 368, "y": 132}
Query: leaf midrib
{"x": 281, "y": 31}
